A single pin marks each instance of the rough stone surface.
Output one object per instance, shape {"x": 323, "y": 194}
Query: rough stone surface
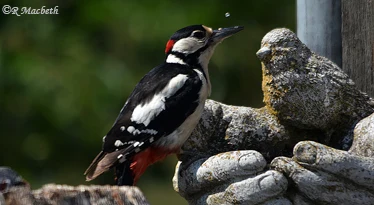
{"x": 63, "y": 194}
{"x": 9, "y": 178}
{"x": 308, "y": 91}
{"x": 321, "y": 187}
{"x": 225, "y": 128}
{"x": 309, "y": 101}
{"x": 358, "y": 169}
{"x": 271, "y": 183}
{"x": 207, "y": 173}
{"x": 252, "y": 190}
{"x": 363, "y": 143}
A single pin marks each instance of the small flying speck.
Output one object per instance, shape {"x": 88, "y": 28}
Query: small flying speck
{"x": 227, "y": 14}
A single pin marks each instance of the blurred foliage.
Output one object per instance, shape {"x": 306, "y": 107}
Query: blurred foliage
{"x": 64, "y": 78}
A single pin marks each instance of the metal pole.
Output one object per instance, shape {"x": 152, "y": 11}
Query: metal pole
{"x": 319, "y": 27}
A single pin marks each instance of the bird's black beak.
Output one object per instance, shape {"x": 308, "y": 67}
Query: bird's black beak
{"x": 222, "y": 33}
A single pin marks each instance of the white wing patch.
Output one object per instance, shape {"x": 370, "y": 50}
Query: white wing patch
{"x": 134, "y": 131}
{"x": 130, "y": 129}
{"x": 147, "y": 112}
{"x": 118, "y": 143}
{"x": 174, "y": 59}
{"x": 150, "y": 131}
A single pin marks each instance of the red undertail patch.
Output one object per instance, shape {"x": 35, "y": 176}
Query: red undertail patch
{"x": 149, "y": 156}
{"x": 169, "y": 46}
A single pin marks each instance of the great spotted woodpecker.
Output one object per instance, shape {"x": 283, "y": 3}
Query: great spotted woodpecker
{"x": 164, "y": 107}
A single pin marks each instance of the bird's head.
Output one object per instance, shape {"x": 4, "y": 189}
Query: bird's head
{"x": 281, "y": 50}
{"x": 194, "y": 45}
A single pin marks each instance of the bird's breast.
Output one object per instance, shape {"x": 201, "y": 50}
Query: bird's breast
{"x": 177, "y": 138}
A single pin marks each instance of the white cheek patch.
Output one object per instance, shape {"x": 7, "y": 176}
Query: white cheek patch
{"x": 147, "y": 112}
{"x": 174, "y": 59}
{"x": 188, "y": 45}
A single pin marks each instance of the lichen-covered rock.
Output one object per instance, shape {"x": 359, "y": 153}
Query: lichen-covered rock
{"x": 256, "y": 190}
{"x": 62, "y": 194}
{"x": 320, "y": 187}
{"x": 9, "y": 178}
{"x": 307, "y": 91}
{"x": 307, "y": 98}
{"x": 207, "y": 173}
{"x": 363, "y": 143}
{"x": 225, "y": 128}
{"x": 236, "y": 177}
{"x": 357, "y": 169}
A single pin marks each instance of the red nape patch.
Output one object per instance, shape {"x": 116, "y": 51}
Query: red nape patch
{"x": 169, "y": 46}
{"x": 149, "y": 156}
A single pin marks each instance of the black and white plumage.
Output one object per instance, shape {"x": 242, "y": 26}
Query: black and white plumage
{"x": 164, "y": 107}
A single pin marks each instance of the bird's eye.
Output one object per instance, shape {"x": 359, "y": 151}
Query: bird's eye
{"x": 198, "y": 34}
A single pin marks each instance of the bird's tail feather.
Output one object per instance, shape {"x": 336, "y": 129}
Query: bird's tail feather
{"x": 102, "y": 163}
{"x": 89, "y": 171}
{"x": 124, "y": 175}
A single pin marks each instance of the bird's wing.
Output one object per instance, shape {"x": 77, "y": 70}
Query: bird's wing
{"x": 159, "y": 104}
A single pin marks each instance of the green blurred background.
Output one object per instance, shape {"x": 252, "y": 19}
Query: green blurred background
{"x": 64, "y": 78}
